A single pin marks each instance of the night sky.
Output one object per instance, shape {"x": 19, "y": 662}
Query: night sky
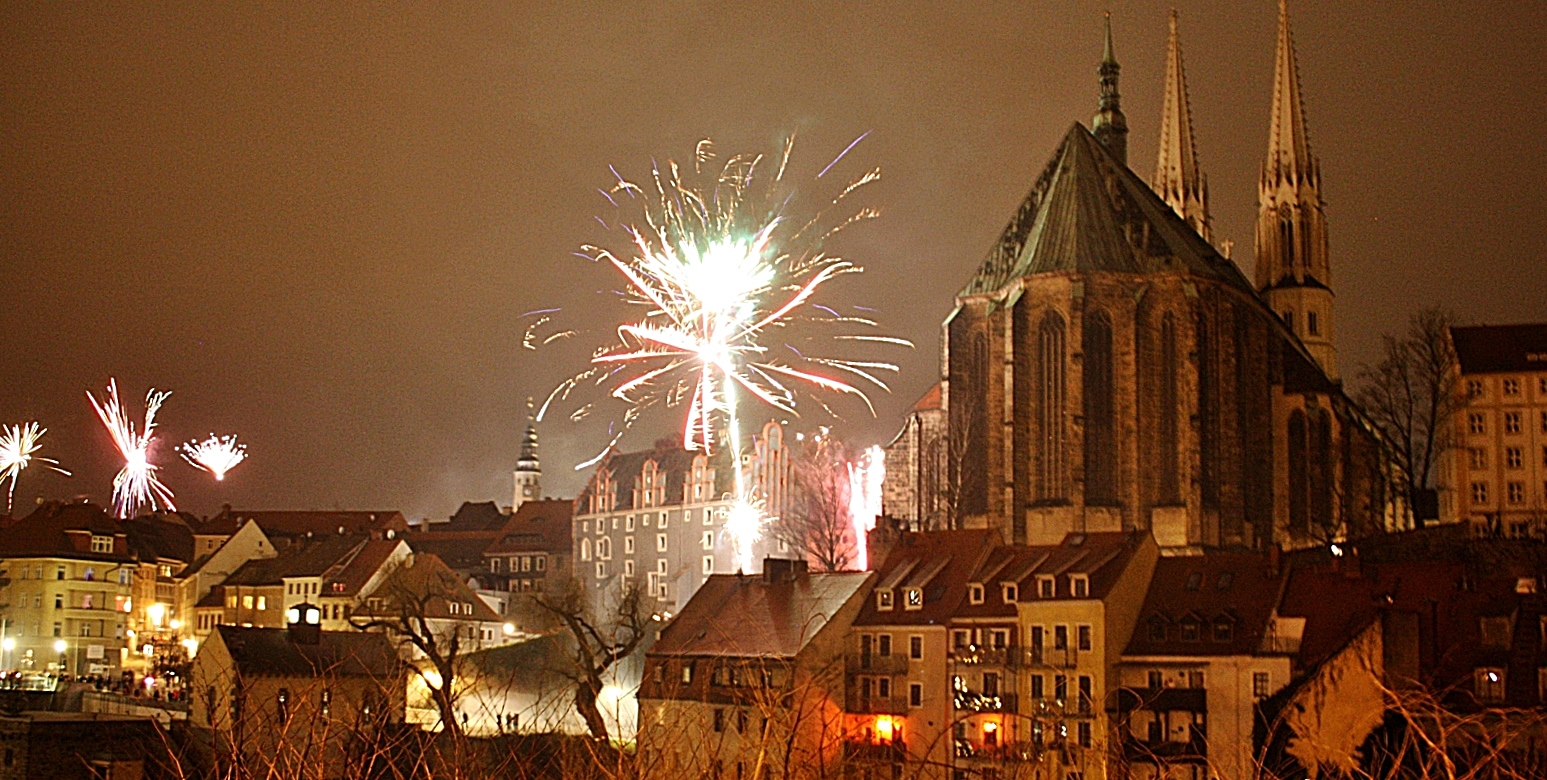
{"x": 319, "y": 227}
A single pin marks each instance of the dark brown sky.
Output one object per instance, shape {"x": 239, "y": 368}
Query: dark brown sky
{"x": 317, "y": 226}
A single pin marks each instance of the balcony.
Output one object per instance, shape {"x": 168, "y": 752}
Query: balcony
{"x": 1012, "y": 657}
{"x": 1051, "y": 658}
{"x": 862, "y": 663}
{"x": 972, "y": 701}
{"x": 1008, "y": 751}
{"x": 857, "y": 702}
{"x": 886, "y": 752}
{"x": 1161, "y": 700}
{"x": 1195, "y": 747}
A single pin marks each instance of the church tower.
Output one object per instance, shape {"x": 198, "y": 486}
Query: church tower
{"x": 1109, "y": 125}
{"x": 529, "y": 473}
{"x": 1177, "y": 179}
{"x": 1293, "y": 271}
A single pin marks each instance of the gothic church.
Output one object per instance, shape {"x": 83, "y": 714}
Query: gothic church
{"x": 1108, "y": 368}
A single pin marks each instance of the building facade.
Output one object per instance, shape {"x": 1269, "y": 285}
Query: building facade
{"x": 1495, "y": 474}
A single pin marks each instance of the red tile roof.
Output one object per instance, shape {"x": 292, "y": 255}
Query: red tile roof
{"x": 427, "y": 575}
{"x": 301, "y": 523}
{"x": 1497, "y": 348}
{"x": 1240, "y": 587}
{"x": 538, "y": 526}
{"x": 62, "y": 530}
{"x": 748, "y": 617}
{"x": 939, "y": 562}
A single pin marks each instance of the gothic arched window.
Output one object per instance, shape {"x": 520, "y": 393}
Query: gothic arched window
{"x": 1100, "y": 434}
{"x": 1170, "y": 482}
{"x": 1320, "y": 467}
{"x": 1299, "y": 487}
{"x": 974, "y": 480}
{"x": 1052, "y": 476}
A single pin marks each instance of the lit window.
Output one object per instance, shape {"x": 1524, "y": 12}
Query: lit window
{"x": 1490, "y": 684}
{"x": 263, "y": 602}
{"x": 913, "y": 598}
{"x": 585, "y": 549}
{"x": 884, "y": 600}
{"x": 247, "y": 602}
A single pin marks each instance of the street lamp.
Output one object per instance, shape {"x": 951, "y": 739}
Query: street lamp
{"x": 59, "y": 647}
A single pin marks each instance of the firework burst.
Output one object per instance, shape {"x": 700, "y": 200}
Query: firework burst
{"x": 136, "y": 485}
{"x": 217, "y": 454}
{"x": 722, "y": 269}
{"x": 18, "y": 449}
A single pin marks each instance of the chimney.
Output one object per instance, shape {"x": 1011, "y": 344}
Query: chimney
{"x": 782, "y": 570}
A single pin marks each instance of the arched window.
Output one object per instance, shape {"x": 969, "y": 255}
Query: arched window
{"x": 1100, "y": 434}
{"x": 1320, "y": 467}
{"x": 585, "y": 550}
{"x": 1299, "y": 487}
{"x": 1286, "y": 237}
{"x": 974, "y": 479}
{"x": 1170, "y": 482}
{"x": 1052, "y": 475}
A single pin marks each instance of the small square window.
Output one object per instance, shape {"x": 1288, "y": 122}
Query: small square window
{"x": 1512, "y": 422}
{"x": 1079, "y": 585}
{"x": 975, "y": 592}
{"x": 1479, "y": 492}
{"x": 913, "y": 598}
{"x": 1512, "y": 387}
{"x": 884, "y": 600}
{"x": 1010, "y": 592}
{"x": 1514, "y": 457}
{"x": 628, "y": 568}
{"x": 1045, "y": 586}
{"x": 601, "y": 570}
{"x": 708, "y": 564}
{"x": 1474, "y": 388}
{"x": 1516, "y": 492}
{"x": 1474, "y": 423}
{"x": 1490, "y": 684}
{"x": 1477, "y": 457}
{"x": 1261, "y": 685}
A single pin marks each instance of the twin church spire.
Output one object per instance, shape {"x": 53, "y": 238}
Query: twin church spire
{"x": 1292, "y": 265}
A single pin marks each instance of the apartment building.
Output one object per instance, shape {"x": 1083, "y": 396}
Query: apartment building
{"x": 1495, "y": 475}
{"x": 68, "y": 588}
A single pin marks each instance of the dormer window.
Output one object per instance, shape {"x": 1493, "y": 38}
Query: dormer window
{"x": 912, "y": 598}
{"x": 1224, "y": 629}
{"x": 101, "y": 544}
{"x": 975, "y": 593}
{"x": 1157, "y": 631}
{"x": 1191, "y": 629}
{"x": 1010, "y": 592}
{"x": 884, "y": 600}
{"x": 1046, "y": 586}
{"x": 1079, "y": 585}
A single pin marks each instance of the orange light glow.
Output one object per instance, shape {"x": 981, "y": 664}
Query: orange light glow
{"x": 886, "y": 728}
{"x": 990, "y": 727}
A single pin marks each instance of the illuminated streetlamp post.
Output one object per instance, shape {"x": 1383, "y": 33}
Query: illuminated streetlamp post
{"x": 59, "y": 647}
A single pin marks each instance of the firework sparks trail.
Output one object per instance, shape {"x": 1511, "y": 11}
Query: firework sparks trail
{"x": 136, "y": 485}
{"x": 720, "y": 270}
{"x": 865, "y": 480}
{"x": 217, "y": 454}
{"x": 18, "y": 448}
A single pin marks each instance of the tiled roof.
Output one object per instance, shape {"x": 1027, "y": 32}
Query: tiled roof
{"x": 746, "y": 616}
{"x": 1239, "y": 587}
{"x": 306, "y": 558}
{"x": 472, "y": 517}
{"x": 427, "y": 575}
{"x": 160, "y": 537}
{"x": 930, "y": 400}
{"x": 1102, "y": 557}
{"x": 301, "y": 523}
{"x": 538, "y": 526}
{"x": 939, "y": 562}
{"x": 46, "y": 532}
{"x": 269, "y": 652}
{"x": 350, "y": 574}
{"x": 1089, "y": 212}
{"x": 459, "y": 550}
{"x": 1495, "y": 348}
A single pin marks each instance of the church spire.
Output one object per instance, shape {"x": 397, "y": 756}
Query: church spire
{"x": 1294, "y": 271}
{"x": 1177, "y": 180}
{"x": 1110, "y": 126}
{"x": 528, "y": 475}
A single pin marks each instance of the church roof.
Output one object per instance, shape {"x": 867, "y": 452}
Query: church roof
{"x": 1486, "y": 349}
{"x": 1089, "y": 212}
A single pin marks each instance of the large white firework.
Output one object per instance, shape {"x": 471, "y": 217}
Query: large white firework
{"x": 18, "y": 449}
{"x": 136, "y": 486}
{"x": 217, "y": 454}
{"x": 721, "y": 270}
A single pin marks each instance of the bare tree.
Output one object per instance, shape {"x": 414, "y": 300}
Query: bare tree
{"x": 1411, "y": 393}
{"x": 412, "y": 607}
{"x": 817, "y": 523}
{"x": 598, "y": 645}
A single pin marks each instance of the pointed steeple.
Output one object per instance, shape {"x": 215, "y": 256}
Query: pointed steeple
{"x": 1177, "y": 179}
{"x": 1289, "y": 149}
{"x": 1110, "y": 126}
{"x": 528, "y": 475}
{"x": 1294, "y": 272}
